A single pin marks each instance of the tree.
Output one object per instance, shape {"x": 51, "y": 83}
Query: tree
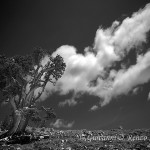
{"x": 23, "y": 80}
{"x": 39, "y": 120}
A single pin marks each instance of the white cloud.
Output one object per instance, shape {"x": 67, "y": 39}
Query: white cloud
{"x": 126, "y": 80}
{"x": 148, "y": 96}
{"x": 94, "y": 108}
{"x": 135, "y": 75}
{"x": 110, "y": 46}
{"x": 69, "y": 102}
{"x": 135, "y": 90}
{"x": 60, "y": 123}
{"x": 133, "y": 30}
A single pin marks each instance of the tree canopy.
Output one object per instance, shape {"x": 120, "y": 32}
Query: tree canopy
{"x": 18, "y": 72}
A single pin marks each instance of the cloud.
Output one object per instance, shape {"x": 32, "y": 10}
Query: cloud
{"x": 80, "y": 69}
{"x": 132, "y": 31}
{"x": 94, "y": 108}
{"x": 126, "y": 80}
{"x": 69, "y": 102}
{"x": 93, "y": 71}
{"x": 60, "y": 123}
{"x": 135, "y": 75}
{"x": 148, "y": 96}
{"x": 135, "y": 90}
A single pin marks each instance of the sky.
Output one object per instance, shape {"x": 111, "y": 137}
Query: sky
{"x": 105, "y": 45}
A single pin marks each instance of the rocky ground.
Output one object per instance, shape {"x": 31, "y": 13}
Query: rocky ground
{"x": 50, "y": 139}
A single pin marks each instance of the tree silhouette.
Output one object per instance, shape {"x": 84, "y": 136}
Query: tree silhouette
{"x": 23, "y": 80}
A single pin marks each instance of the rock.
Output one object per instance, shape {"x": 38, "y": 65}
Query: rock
{"x": 41, "y": 137}
{"x": 68, "y": 148}
{"x": 148, "y": 146}
{"x": 62, "y": 141}
{"x": 46, "y": 136}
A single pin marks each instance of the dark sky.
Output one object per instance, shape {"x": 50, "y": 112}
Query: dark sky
{"x": 52, "y": 23}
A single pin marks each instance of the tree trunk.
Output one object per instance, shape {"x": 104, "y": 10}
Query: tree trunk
{"x": 23, "y": 123}
{"x": 25, "y": 118}
{"x": 20, "y": 121}
{"x": 19, "y": 124}
{"x": 16, "y": 121}
{"x": 16, "y": 116}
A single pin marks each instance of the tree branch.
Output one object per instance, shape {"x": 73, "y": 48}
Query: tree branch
{"x": 12, "y": 102}
{"x": 35, "y": 84}
{"x": 39, "y": 95}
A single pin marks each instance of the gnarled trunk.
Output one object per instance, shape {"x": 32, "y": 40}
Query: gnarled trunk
{"x": 23, "y": 123}
{"x": 16, "y": 121}
{"x": 16, "y": 117}
{"x": 25, "y": 117}
{"x": 20, "y": 119}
